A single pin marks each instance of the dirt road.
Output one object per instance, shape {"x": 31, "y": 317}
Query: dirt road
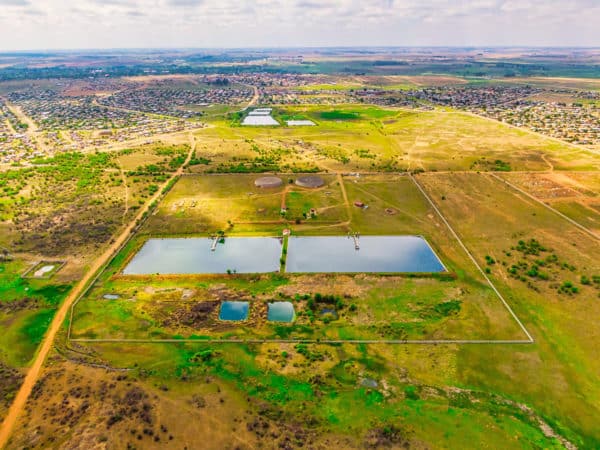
{"x": 254, "y": 99}
{"x": 34, "y": 371}
{"x": 32, "y": 129}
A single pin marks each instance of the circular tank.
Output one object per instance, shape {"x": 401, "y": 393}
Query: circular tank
{"x": 268, "y": 182}
{"x": 310, "y": 181}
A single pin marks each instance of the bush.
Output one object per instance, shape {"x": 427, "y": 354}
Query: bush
{"x": 448, "y": 308}
{"x": 410, "y": 392}
{"x": 568, "y": 288}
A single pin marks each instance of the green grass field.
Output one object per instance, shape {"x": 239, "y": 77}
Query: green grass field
{"x": 26, "y": 309}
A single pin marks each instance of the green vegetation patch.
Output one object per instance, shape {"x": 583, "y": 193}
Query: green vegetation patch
{"x": 27, "y": 307}
{"x": 339, "y": 115}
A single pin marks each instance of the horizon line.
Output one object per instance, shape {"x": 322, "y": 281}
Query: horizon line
{"x": 306, "y": 47}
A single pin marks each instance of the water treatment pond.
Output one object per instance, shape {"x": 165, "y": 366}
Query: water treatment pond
{"x": 280, "y": 312}
{"x": 375, "y": 254}
{"x": 234, "y": 311}
{"x": 259, "y": 121}
{"x": 195, "y": 255}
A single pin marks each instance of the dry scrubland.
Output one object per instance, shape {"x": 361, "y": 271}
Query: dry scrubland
{"x": 66, "y": 209}
{"x": 201, "y": 394}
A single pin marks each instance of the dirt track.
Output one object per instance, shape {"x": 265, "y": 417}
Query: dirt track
{"x": 44, "y": 349}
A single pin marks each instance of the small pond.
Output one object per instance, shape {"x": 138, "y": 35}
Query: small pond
{"x": 392, "y": 254}
{"x": 202, "y": 255}
{"x": 234, "y": 311}
{"x": 329, "y": 313}
{"x": 43, "y": 271}
{"x": 280, "y": 312}
{"x": 369, "y": 383}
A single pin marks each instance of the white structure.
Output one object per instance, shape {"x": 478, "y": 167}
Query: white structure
{"x": 300, "y": 123}
{"x": 260, "y": 117}
{"x": 261, "y": 112}
{"x": 268, "y": 182}
{"x": 259, "y": 121}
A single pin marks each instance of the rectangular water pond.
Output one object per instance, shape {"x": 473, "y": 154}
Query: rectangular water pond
{"x": 374, "y": 254}
{"x": 259, "y": 120}
{"x": 196, "y": 255}
{"x": 234, "y": 311}
{"x": 280, "y": 312}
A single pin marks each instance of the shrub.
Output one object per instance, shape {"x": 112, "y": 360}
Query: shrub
{"x": 448, "y": 308}
{"x": 411, "y": 393}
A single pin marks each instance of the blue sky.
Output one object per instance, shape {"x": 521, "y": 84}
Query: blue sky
{"x": 44, "y": 24}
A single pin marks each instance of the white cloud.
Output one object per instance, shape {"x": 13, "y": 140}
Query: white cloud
{"x": 241, "y": 23}
{"x": 14, "y": 2}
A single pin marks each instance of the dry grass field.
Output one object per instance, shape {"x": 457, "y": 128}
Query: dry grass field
{"x": 574, "y": 194}
{"x": 366, "y": 138}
